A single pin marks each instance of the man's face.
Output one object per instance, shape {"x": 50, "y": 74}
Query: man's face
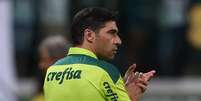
{"x": 107, "y": 41}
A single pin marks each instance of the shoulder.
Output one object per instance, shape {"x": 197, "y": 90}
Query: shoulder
{"x": 83, "y": 59}
{"x": 76, "y": 59}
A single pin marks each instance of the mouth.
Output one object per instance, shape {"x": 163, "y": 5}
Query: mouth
{"x": 115, "y": 51}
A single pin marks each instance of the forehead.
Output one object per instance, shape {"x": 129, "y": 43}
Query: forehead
{"x": 110, "y": 25}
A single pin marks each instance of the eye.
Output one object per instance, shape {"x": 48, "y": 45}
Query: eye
{"x": 113, "y": 32}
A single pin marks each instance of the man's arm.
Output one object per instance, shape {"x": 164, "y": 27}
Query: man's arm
{"x": 114, "y": 91}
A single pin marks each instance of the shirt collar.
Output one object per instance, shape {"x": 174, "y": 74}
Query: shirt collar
{"x": 82, "y": 51}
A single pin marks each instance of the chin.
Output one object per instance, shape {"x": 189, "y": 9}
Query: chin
{"x": 108, "y": 58}
{"x": 111, "y": 57}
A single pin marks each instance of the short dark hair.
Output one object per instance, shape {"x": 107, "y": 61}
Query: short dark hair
{"x": 93, "y": 18}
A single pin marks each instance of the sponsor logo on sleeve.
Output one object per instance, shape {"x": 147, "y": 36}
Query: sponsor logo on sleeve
{"x": 110, "y": 93}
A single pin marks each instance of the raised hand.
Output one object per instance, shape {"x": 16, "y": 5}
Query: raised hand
{"x": 136, "y": 82}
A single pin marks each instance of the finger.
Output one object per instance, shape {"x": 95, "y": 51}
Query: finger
{"x": 130, "y": 70}
{"x": 142, "y": 81}
{"x": 142, "y": 87}
{"x": 142, "y": 84}
{"x": 149, "y": 75}
{"x": 135, "y": 76}
{"x": 138, "y": 75}
{"x": 131, "y": 78}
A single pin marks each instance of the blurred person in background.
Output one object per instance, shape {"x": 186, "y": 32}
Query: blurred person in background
{"x": 193, "y": 38}
{"x": 51, "y": 49}
{"x": 8, "y": 77}
{"x": 84, "y": 75}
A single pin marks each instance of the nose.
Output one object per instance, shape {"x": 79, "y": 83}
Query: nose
{"x": 118, "y": 40}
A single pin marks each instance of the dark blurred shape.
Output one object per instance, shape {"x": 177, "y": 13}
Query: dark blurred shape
{"x": 138, "y": 24}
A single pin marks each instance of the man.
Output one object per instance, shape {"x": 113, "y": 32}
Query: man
{"x": 84, "y": 75}
{"x": 51, "y": 49}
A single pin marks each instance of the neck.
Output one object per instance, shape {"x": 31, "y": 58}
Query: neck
{"x": 88, "y": 47}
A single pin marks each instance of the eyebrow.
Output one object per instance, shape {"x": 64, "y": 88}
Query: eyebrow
{"x": 113, "y": 31}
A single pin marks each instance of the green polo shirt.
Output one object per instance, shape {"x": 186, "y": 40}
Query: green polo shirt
{"x": 81, "y": 76}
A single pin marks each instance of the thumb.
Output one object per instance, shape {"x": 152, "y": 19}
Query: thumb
{"x": 130, "y": 70}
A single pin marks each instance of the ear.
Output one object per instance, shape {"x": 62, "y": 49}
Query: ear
{"x": 89, "y": 35}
